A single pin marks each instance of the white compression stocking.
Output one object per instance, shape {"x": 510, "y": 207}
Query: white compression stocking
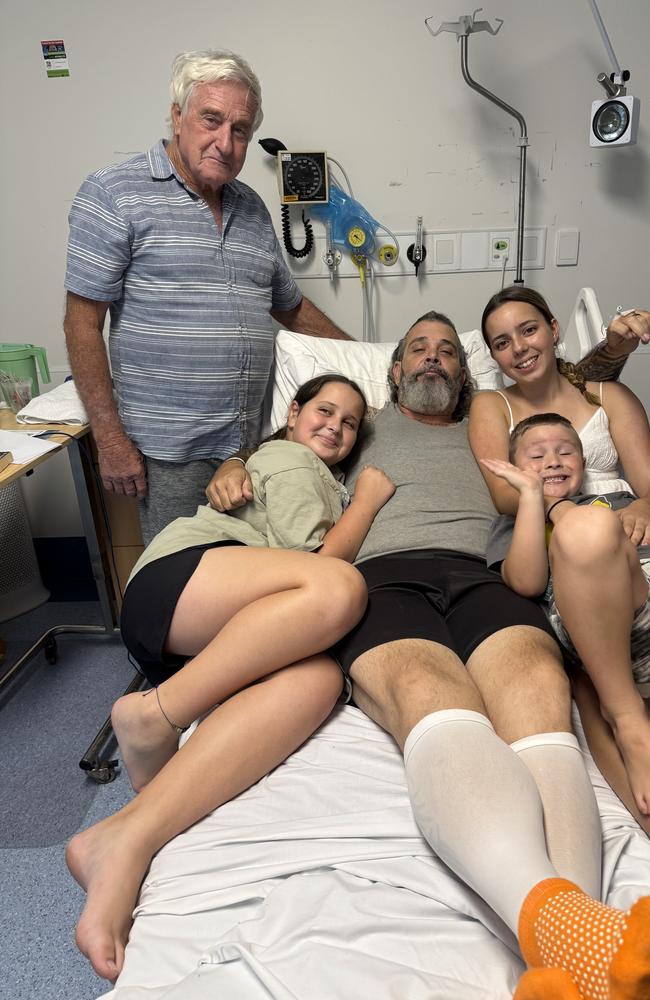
{"x": 571, "y": 819}
{"x": 478, "y": 807}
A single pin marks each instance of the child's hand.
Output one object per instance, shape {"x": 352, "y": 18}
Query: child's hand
{"x": 373, "y": 486}
{"x": 523, "y": 482}
{"x": 636, "y": 521}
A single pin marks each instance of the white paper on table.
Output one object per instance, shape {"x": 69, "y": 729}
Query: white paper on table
{"x": 24, "y": 446}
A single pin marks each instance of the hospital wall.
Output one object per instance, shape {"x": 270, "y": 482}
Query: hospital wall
{"x": 366, "y": 82}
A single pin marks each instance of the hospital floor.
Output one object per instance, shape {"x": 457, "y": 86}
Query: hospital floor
{"x": 45, "y": 798}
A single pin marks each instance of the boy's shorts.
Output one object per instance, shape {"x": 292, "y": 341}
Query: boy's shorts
{"x": 639, "y": 637}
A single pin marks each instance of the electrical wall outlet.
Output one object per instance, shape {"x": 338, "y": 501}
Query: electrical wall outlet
{"x": 501, "y": 246}
{"x": 503, "y": 243}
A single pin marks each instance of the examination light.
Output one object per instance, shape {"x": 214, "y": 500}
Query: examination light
{"x": 614, "y": 121}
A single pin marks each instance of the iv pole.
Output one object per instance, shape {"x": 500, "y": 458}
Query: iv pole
{"x": 462, "y": 29}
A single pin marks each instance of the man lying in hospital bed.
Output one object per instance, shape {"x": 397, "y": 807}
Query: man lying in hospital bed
{"x": 266, "y": 942}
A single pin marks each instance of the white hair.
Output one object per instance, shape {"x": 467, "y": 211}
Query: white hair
{"x": 210, "y": 66}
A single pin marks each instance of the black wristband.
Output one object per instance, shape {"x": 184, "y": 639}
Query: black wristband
{"x": 554, "y": 505}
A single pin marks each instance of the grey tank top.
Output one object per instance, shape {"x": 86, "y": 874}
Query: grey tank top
{"x": 441, "y": 500}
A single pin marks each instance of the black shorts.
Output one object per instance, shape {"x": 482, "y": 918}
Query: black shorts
{"x": 149, "y": 604}
{"x": 445, "y": 597}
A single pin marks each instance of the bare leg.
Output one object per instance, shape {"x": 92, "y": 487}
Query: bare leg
{"x": 598, "y": 584}
{"x": 602, "y": 745}
{"x": 234, "y": 747}
{"x": 244, "y": 613}
{"x": 397, "y": 684}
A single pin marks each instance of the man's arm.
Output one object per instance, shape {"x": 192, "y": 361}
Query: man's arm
{"x": 624, "y": 333}
{"x": 231, "y": 485}
{"x": 121, "y": 465}
{"x": 308, "y": 318}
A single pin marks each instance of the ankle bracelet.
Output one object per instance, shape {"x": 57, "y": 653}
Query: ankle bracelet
{"x": 177, "y": 729}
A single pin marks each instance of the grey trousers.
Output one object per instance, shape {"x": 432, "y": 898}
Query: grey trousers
{"x": 174, "y": 489}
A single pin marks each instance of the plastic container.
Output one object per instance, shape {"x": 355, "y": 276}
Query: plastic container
{"x": 19, "y": 360}
{"x": 17, "y": 392}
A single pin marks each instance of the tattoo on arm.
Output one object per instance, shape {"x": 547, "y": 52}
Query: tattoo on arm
{"x": 599, "y": 365}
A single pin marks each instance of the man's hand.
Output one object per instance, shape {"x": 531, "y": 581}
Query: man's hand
{"x": 626, "y": 331}
{"x": 122, "y": 468}
{"x": 635, "y": 519}
{"x": 523, "y": 482}
{"x": 230, "y": 486}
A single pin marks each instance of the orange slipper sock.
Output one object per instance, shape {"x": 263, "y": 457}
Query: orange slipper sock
{"x": 605, "y": 951}
{"x": 629, "y": 972}
{"x": 546, "y": 984}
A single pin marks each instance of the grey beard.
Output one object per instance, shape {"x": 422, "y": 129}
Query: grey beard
{"x": 430, "y": 397}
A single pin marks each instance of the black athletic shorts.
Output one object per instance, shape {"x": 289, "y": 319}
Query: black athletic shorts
{"x": 149, "y": 603}
{"x": 445, "y": 597}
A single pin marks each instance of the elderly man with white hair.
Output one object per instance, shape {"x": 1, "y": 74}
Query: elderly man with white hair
{"x": 186, "y": 260}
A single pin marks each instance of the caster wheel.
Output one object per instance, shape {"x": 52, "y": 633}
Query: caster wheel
{"x": 103, "y": 772}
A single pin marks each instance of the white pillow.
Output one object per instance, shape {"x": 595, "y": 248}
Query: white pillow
{"x": 299, "y": 358}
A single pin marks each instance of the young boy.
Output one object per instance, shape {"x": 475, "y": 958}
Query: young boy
{"x": 597, "y": 592}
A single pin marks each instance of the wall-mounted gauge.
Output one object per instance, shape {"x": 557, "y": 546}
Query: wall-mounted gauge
{"x": 356, "y": 236}
{"x": 302, "y": 178}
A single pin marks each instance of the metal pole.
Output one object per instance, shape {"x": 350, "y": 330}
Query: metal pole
{"x": 523, "y": 142}
{"x": 605, "y": 37}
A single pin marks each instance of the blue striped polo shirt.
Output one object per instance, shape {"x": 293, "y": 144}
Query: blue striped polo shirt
{"x": 191, "y": 336}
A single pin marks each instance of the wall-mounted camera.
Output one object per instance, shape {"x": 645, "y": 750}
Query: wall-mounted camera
{"x": 614, "y": 121}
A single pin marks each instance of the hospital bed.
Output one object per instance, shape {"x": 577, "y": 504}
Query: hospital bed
{"x": 316, "y": 884}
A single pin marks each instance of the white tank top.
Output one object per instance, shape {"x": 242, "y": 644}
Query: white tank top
{"x": 602, "y": 467}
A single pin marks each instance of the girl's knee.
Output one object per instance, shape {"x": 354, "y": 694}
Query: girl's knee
{"x": 326, "y": 683}
{"x": 345, "y": 592}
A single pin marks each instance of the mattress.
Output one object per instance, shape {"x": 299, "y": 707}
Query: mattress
{"x": 315, "y": 884}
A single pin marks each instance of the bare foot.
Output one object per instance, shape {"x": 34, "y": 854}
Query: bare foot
{"x": 146, "y": 739}
{"x": 632, "y": 735}
{"x": 105, "y": 863}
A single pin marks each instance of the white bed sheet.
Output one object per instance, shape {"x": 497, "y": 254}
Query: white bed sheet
{"x": 316, "y": 885}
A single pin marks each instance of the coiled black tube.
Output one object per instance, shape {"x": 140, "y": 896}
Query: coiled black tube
{"x": 286, "y": 233}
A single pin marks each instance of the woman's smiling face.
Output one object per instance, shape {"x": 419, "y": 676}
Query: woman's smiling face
{"x": 521, "y": 340}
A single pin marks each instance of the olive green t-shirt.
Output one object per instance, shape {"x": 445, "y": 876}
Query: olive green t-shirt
{"x": 296, "y": 500}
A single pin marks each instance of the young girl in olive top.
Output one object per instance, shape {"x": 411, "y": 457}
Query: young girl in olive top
{"x": 238, "y": 625}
